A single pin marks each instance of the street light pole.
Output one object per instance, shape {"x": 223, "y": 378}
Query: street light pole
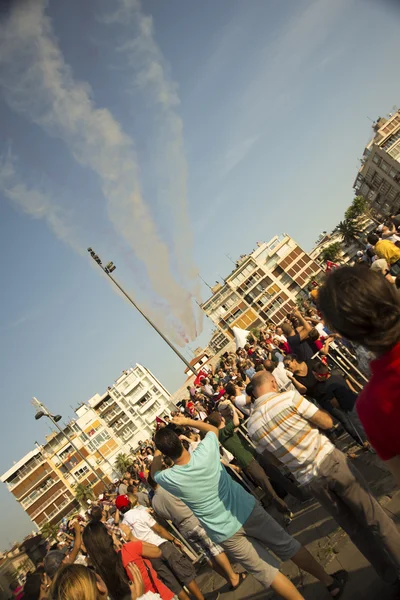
{"x": 43, "y": 411}
{"x": 108, "y": 269}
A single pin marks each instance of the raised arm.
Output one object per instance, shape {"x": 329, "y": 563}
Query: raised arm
{"x": 306, "y": 326}
{"x": 200, "y": 425}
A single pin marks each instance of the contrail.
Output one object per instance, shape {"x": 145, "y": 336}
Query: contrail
{"x": 150, "y": 74}
{"x": 38, "y": 83}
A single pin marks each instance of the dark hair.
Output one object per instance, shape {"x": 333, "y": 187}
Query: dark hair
{"x": 32, "y": 586}
{"x": 106, "y": 561}
{"x": 168, "y": 443}
{"x": 397, "y": 281}
{"x": 362, "y": 306}
{"x": 203, "y": 380}
{"x": 319, "y": 367}
{"x": 96, "y": 512}
{"x": 292, "y": 357}
{"x": 270, "y": 365}
{"x": 313, "y": 334}
{"x": 372, "y": 239}
{"x": 215, "y": 418}
{"x": 250, "y": 390}
{"x": 230, "y": 389}
{"x": 259, "y": 367}
{"x": 130, "y": 489}
{"x": 287, "y": 328}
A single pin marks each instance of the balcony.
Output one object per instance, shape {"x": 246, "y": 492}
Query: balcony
{"x": 42, "y": 507}
{"x": 31, "y": 498}
{"x": 59, "y": 508}
{"x": 128, "y": 385}
{"x": 145, "y": 407}
{"x": 26, "y": 471}
{"x": 121, "y": 423}
{"x": 114, "y": 414}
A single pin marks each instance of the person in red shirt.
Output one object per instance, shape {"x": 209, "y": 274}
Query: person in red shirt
{"x": 364, "y": 308}
{"x": 112, "y": 565}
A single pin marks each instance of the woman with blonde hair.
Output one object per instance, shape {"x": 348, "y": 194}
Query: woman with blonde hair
{"x": 77, "y": 582}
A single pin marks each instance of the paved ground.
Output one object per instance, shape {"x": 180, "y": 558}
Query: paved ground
{"x": 315, "y": 529}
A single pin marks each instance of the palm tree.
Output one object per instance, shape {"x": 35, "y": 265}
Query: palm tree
{"x": 332, "y": 252}
{"x": 83, "y": 493}
{"x": 349, "y": 231}
{"x": 122, "y": 463}
{"x": 49, "y": 530}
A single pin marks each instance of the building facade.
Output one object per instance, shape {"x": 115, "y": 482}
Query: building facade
{"x": 263, "y": 288}
{"x": 130, "y": 406}
{"x": 378, "y": 178}
{"x": 44, "y": 480}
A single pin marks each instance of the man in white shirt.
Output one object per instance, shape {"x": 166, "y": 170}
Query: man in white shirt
{"x": 287, "y": 425}
{"x": 173, "y": 567}
{"x": 239, "y": 398}
{"x": 279, "y": 372}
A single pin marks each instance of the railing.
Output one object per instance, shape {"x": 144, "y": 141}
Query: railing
{"x": 114, "y": 413}
{"x": 25, "y": 471}
{"x": 37, "y": 481}
{"x": 121, "y": 422}
{"x": 31, "y": 498}
{"x": 145, "y": 407}
{"x": 59, "y": 508}
{"x": 57, "y": 494}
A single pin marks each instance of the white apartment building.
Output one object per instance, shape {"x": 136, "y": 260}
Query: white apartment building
{"x": 263, "y": 287}
{"x": 378, "y": 178}
{"x": 44, "y": 480}
{"x": 130, "y": 406}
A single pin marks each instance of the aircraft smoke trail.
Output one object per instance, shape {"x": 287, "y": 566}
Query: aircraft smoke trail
{"x": 151, "y": 76}
{"x": 38, "y": 83}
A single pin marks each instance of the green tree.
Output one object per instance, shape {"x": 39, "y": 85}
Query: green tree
{"x": 122, "y": 463}
{"x": 83, "y": 493}
{"x": 349, "y": 231}
{"x": 254, "y": 334}
{"x": 49, "y": 530}
{"x": 332, "y": 252}
{"x": 359, "y": 208}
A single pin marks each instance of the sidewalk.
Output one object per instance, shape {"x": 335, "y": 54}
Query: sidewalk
{"x": 315, "y": 529}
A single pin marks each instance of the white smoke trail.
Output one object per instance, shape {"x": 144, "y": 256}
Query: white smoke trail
{"x": 37, "y": 82}
{"x": 151, "y": 76}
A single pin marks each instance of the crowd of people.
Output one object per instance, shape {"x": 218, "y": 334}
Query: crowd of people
{"x": 268, "y": 417}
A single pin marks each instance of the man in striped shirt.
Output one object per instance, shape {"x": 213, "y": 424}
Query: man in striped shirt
{"x": 286, "y": 424}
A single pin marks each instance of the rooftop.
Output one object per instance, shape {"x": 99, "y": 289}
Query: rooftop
{"x": 25, "y": 459}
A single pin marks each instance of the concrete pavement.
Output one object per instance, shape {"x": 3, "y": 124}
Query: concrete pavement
{"x": 315, "y": 529}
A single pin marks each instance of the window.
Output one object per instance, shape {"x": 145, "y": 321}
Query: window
{"x": 98, "y": 440}
{"x": 81, "y": 472}
{"x": 376, "y": 159}
{"x": 274, "y": 289}
{"x": 145, "y": 398}
{"x": 384, "y": 166}
{"x": 286, "y": 279}
{"x": 65, "y": 453}
{"x": 395, "y": 152}
{"x": 393, "y": 173}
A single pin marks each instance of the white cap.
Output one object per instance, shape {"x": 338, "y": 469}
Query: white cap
{"x": 380, "y": 227}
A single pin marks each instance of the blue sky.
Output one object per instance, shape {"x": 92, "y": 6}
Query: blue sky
{"x": 165, "y": 137}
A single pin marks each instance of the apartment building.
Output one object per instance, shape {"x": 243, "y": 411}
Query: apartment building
{"x": 44, "y": 480}
{"x": 378, "y": 178}
{"x": 263, "y": 287}
{"x": 130, "y": 406}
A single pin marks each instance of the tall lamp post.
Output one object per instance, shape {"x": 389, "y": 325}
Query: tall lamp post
{"x": 108, "y": 269}
{"x": 42, "y": 411}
